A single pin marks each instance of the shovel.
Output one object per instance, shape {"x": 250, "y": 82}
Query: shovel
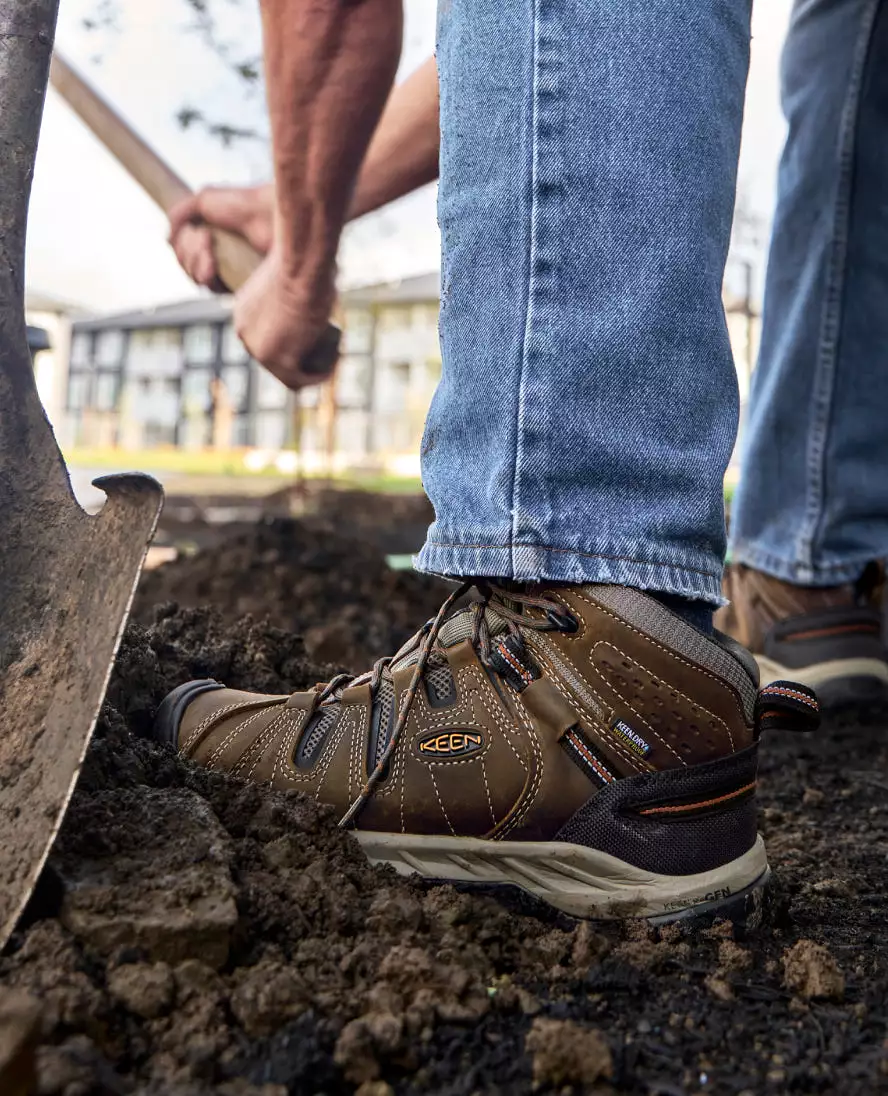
{"x": 66, "y": 579}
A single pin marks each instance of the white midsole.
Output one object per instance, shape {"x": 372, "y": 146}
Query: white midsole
{"x": 821, "y": 672}
{"x": 581, "y": 881}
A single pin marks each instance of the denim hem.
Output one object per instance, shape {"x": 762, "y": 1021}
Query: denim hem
{"x": 539, "y": 563}
{"x": 802, "y": 574}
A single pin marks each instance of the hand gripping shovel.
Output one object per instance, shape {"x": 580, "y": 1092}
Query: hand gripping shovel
{"x": 66, "y": 579}
{"x": 235, "y": 258}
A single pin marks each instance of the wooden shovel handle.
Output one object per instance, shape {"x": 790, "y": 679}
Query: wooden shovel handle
{"x": 236, "y": 258}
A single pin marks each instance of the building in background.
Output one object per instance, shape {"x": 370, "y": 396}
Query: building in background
{"x": 178, "y": 376}
{"x": 55, "y": 318}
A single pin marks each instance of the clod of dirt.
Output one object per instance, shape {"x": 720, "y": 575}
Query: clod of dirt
{"x": 719, "y": 988}
{"x": 648, "y": 949}
{"x": 564, "y": 1053}
{"x": 146, "y": 989}
{"x": 732, "y": 958}
{"x": 811, "y": 971}
{"x": 122, "y": 891}
{"x": 813, "y": 797}
{"x": 19, "y": 1029}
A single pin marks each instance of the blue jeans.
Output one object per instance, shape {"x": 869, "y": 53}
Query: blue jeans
{"x": 588, "y": 403}
{"x": 813, "y": 501}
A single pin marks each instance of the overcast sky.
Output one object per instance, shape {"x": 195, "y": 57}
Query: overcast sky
{"x": 96, "y": 240}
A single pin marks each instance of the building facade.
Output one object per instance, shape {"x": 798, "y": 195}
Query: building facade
{"x": 55, "y": 317}
{"x": 179, "y": 376}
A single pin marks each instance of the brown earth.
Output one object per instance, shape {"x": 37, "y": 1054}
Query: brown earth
{"x": 322, "y": 575}
{"x": 194, "y": 935}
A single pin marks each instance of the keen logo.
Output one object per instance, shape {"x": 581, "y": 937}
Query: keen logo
{"x": 446, "y": 744}
{"x": 632, "y": 738}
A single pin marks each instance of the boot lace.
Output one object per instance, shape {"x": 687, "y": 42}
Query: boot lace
{"x": 509, "y": 605}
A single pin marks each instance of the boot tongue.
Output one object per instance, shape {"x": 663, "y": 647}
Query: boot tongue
{"x": 455, "y": 629}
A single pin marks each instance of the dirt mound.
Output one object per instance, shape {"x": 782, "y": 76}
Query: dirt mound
{"x": 305, "y": 575}
{"x": 195, "y": 935}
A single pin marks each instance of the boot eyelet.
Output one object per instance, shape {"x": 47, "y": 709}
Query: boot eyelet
{"x": 563, "y": 622}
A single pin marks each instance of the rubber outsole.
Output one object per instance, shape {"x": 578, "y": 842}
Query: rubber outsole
{"x": 575, "y": 879}
{"x": 172, "y": 708}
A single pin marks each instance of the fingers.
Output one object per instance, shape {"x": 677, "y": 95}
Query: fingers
{"x": 192, "y": 242}
{"x": 183, "y": 213}
{"x": 193, "y": 245}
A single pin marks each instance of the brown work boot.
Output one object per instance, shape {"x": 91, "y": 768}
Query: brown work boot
{"x": 581, "y": 742}
{"x": 826, "y": 637}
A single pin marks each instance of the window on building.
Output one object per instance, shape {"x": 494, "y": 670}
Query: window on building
{"x": 107, "y": 391}
{"x": 156, "y": 338}
{"x": 358, "y": 331}
{"x": 80, "y": 348}
{"x": 232, "y": 348}
{"x": 155, "y": 351}
{"x": 200, "y": 344}
{"x": 272, "y": 428}
{"x": 78, "y": 391}
{"x": 394, "y": 319}
{"x": 309, "y": 397}
{"x": 353, "y": 381}
{"x": 241, "y": 433}
{"x": 270, "y": 393}
{"x": 236, "y": 379}
{"x": 196, "y": 394}
{"x": 109, "y": 347}
{"x": 424, "y": 315}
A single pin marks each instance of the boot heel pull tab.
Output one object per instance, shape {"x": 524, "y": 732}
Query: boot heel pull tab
{"x": 786, "y": 706}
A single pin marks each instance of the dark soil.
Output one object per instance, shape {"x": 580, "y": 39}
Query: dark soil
{"x": 308, "y": 576}
{"x": 195, "y": 935}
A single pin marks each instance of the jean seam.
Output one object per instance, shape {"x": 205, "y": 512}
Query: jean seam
{"x": 512, "y": 545}
{"x": 824, "y": 382}
{"x": 531, "y": 267}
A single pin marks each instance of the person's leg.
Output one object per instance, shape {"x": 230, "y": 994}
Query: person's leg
{"x": 812, "y": 504}
{"x": 541, "y": 735}
{"x": 811, "y": 510}
{"x": 588, "y": 403}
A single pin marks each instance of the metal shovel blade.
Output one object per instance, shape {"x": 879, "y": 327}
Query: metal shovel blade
{"x": 66, "y": 585}
{"x": 66, "y": 579}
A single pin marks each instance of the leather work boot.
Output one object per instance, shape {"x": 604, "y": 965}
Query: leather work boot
{"x": 581, "y": 742}
{"x": 828, "y": 638}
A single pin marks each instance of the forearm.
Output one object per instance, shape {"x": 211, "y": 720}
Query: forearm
{"x": 330, "y": 65}
{"x": 403, "y": 154}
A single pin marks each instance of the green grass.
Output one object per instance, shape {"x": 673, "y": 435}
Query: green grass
{"x": 211, "y": 463}
{"x": 194, "y": 463}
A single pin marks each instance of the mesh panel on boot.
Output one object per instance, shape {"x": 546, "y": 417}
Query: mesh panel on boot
{"x": 609, "y": 821}
{"x": 440, "y": 686}
{"x": 311, "y": 743}
{"x": 381, "y": 724}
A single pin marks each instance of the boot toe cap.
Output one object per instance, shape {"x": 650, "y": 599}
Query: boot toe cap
{"x": 168, "y": 720}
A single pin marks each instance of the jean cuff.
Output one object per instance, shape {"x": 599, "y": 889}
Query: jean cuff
{"x": 539, "y": 563}
{"x": 800, "y": 574}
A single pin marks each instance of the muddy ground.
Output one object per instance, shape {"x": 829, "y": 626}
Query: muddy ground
{"x": 194, "y": 935}
{"x": 321, "y": 575}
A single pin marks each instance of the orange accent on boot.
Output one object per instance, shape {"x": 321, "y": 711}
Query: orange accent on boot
{"x": 679, "y": 808}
